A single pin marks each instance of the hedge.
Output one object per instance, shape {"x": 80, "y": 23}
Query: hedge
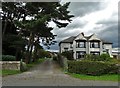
{"x": 91, "y": 67}
{"x": 63, "y": 62}
{"x": 8, "y": 58}
{"x": 102, "y": 57}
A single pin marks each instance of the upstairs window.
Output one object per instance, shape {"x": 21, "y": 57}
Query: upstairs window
{"x": 71, "y": 45}
{"x": 65, "y": 49}
{"x": 94, "y": 44}
{"x": 80, "y": 44}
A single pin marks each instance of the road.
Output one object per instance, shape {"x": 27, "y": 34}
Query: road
{"x": 49, "y": 74}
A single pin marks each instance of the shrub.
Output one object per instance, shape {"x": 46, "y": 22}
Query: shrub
{"x": 102, "y": 57}
{"x": 105, "y": 57}
{"x": 63, "y": 62}
{"x": 91, "y": 67}
{"x": 55, "y": 58}
{"x": 23, "y": 66}
{"x": 8, "y": 58}
{"x": 42, "y": 54}
{"x": 68, "y": 55}
{"x": 92, "y": 57}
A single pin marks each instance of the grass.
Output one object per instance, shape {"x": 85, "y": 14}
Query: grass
{"x": 35, "y": 63}
{"x": 9, "y": 72}
{"x": 12, "y": 72}
{"x": 107, "y": 77}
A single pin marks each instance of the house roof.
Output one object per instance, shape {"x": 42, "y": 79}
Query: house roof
{"x": 70, "y": 39}
{"x": 106, "y": 42}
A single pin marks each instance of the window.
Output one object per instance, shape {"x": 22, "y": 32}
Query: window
{"x": 65, "y": 49}
{"x": 71, "y": 45}
{"x": 94, "y": 44}
{"x": 95, "y": 53}
{"x": 80, "y": 44}
{"x": 80, "y": 54}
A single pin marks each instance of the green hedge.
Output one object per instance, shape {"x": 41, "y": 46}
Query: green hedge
{"x": 91, "y": 67}
{"x": 8, "y": 58}
{"x": 102, "y": 57}
{"x": 68, "y": 55}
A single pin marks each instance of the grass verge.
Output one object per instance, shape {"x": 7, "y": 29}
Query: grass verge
{"x": 107, "y": 77}
{"x": 9, "y": 72}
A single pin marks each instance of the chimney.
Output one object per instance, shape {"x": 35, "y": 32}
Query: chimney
{"x": 82, "y": 33}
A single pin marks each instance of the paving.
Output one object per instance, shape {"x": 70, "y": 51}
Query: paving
{"x": 49, "y": 74}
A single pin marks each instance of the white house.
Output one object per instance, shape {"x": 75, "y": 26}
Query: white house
{"x": 81, "y": 45}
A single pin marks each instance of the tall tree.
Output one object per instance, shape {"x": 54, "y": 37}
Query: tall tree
{"x": 36, "y": 27}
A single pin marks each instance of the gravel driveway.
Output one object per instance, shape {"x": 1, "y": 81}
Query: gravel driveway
{"x": 49, "y": 74}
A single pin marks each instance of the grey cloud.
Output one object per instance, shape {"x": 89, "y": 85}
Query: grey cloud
{"x": 110, "y": 34}
{"x": 113, "y": 20}
{"x": 83, "y": 8}
{"x": 76, "y": 23}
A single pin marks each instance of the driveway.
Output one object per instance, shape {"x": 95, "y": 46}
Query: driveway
{"x": 49, "y": 74}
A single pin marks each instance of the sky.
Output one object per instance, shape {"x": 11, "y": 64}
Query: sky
{"x": 100, "y": 18}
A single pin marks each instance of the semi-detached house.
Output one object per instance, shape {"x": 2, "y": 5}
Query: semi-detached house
{"x": 81, "y": 45}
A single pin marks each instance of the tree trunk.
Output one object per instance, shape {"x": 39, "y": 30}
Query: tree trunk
{"x": 36, "y": 50}
{"x": 27, "y": 55}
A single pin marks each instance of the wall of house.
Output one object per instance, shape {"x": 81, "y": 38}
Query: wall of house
{"x": 87, "y": 49}
{"x": 74, "y": 49}
{"x": 108, "y": 46}
{"x": 65, "y": 45}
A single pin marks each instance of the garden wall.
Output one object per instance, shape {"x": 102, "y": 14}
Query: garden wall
{"x": 10, "y": 65}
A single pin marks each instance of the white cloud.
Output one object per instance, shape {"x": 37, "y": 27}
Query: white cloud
{"x": 94, "y": 21}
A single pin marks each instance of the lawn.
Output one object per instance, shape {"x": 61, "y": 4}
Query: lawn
{"x": 108, "y": 77}
{"x": 9, "y": 72}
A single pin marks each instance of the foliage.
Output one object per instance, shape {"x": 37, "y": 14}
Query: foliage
{"x": 43, "y": 54}
{"x": 55, "y": 58}
{"x": 63, "y": 62}
{"x": 8, "y": 58}
{"x": 40, "y": 60}
{"x": 91, "y": 67}
{"x": 68, "y": 55}
{"x": 31, "y": 31}
{"x": 105, "y": 57}
{"x": 102, "y": 57}
{"x": 92, "y": 57}
{"x": 23, "y": 66}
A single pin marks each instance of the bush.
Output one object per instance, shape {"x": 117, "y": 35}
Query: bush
{"x": 63, "y": 62}
{"x": 42, "y": 54}
{"x": 55, "y": 58}
{"x": 102, "y": 57}
{"x": 68, "y": 55}
{"x": 105, "y": 57}
{"x": 91, "y": 67}
{"x": 23, "y": 66}
{"x": 8, "y": 58}
{"x": 92, "y": 57}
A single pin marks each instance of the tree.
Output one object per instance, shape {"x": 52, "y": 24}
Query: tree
{"x": 36, "y": 28}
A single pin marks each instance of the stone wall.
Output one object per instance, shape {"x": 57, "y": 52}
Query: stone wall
{"x": 11, "y": 65}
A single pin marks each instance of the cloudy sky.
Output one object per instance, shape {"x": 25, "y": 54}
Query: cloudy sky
{"x": 100, "y": 18}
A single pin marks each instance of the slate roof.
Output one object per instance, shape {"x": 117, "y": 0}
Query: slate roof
{"x": 106, "y": 42}
{"x": 70, "y": 40}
